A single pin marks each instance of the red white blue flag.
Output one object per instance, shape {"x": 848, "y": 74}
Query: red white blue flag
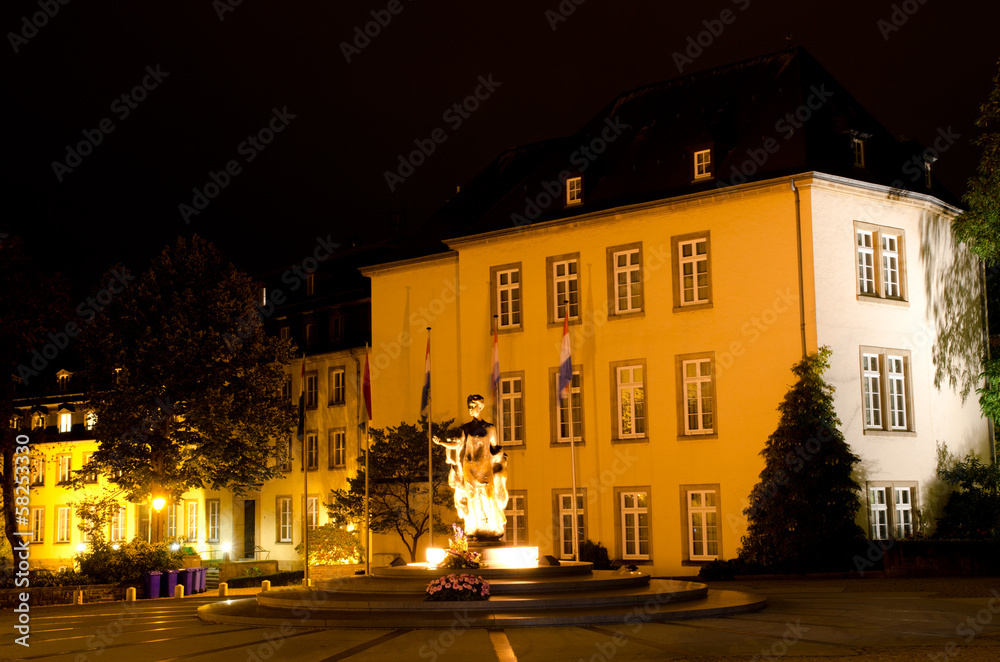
{"x": 565, "y": 363}
{"x": 425, "y": 396}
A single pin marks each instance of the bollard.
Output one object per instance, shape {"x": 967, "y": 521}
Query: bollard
{"x": 265, "y": 585}
{"x": 130, "y": 594}
{"x": 223, "y": 589}
{"x": 307, "y": 582}
{"x": 78, "y": 597}
{"x": 179, "y": 591}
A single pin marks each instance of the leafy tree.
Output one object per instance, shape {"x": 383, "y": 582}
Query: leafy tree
{"x": 398, "y": 484}
{"x": 973, "y": 510}
{"x": 184, "y": 382}
{"x": 34, "y": 304}
{"x": 802, "y": 512}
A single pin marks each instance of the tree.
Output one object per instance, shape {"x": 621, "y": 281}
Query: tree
{"x": 979, "y": 226}
{"x": 973, "y": 509}
{"x": 184, "y": 383}
{"x": 802, "y": 512}
{"x": 34, "y": 308}
{"x": 398, "y": 484}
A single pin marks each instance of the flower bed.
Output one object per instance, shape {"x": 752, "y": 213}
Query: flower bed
{"x": 458, "y": 587}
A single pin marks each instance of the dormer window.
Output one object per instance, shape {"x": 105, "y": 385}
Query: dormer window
{"x": 310, "y": 284}
{"x": 574, "y": 191}
{"x": 90, "y": 420}
{"x": 286, "y": 333}
{"x": 703, "y": 164}
{"x": 263, "y": 296}
{"x": 858, "y": 147}
{"x": 38, "y": 421}
{"x": 62, "y": 379}
{"x": 928, "y": 180}
{"x": 65, "y": 421}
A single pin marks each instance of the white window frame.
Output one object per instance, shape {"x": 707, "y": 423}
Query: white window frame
{"x": 516, "y": 521}
{"x": 512, "y": 410}
{"x": 338, "y": 449}
{"x": 702, "y": 164}
{"x": 508, "y": 298}
{"x": 191, "y": 510}
{"x": 575, "y": 400}
{"x": 871, "y": 387}
{"x": 858, "y": 149}
{"x": 694, "y": 539}
{"x": 880, "y": 262}
{"x": 574, "y": 190}
{"x": 886, "y": 391}
{"x": 878, "y": 513}
{"x": 892, "y": 512}
{"x": 65, "y": 468}
{"x": 312, "y": 512}
{"x": 284, "y": 519}
{"x": 691, "y": 296}
{"x": 866, "y": 261}
{"x": 338, "y": 385}
{"x": 902, "y": 502}
{"x": 118, "y": 522}
{"x": 312, "y": 451}
{"x": 312, "y": 390}
{"x": 632, "y": 389}
{"x": 627, "y": 280}
{"x": 214, "y": 507}
{"x": 566, "y": 289}
{"x": 38, "y": 524}
{"x": 566, "y": 522}
{"x": 696, "y": 385}
{"x": 890, "y": 265}
{"x": 896, "y": 376}
{"x": 65, "y": 422}
{"x": 37, "y": 470}
{"x": 631, "y": 516}
{"x": 89, "y": 420}
{"x": 63, "y": 523}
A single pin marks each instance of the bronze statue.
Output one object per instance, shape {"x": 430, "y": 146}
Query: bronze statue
{"x": 478, "y": 475}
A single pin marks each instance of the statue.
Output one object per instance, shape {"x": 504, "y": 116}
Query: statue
{"x": 478, "y": 475}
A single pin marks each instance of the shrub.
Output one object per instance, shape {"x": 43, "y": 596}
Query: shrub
{"x": 65, "y": 577}
{"x": 279, "y": 579}
{"x": 597, "y": 554}
{"x": 129, "y": 562}
{"x": 332, "y": 545}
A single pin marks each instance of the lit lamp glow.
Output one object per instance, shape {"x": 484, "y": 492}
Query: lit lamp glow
{"x": 434, "y": 556}
{"x": 82, "y": 547}
{"x": 158, "y": 503}
{"x": 226, "y": 547}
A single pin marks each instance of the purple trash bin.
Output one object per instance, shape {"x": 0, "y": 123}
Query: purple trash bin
{"x": 202, "y": 578}
{"x": 185, "y": 576}
{"x": 167, "y": 583}
{"x": 151, "y": 582}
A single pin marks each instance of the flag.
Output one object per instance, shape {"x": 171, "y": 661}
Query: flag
{"x": 425, "y": 395}
{"x": 565, "y": 363}
{"x": 300, "y": 432}
{"x": 495, "y": 376}
{"x": 366, "y": 387}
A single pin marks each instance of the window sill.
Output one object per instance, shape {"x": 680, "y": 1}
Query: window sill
{"x": 630, "y": 440}
{"x": 282, "y": 542}
{"x": 336, "y": 404}
{"x": 697, "y": 437}
{"x": 515, "y": 328}
{"x": 885, "y": 301}
{"x": 339, "y": 466}
{"x": 698, "y": 562}
{"x": 889, "y": 433}
{"x": 574, "y": 321}
{"x": 565, "y": 444}
{"x": 630, "y": 314}
{"x": 703, "y": 178}
{"x": 693, "y": 306}
{"x": 514, "y": 446}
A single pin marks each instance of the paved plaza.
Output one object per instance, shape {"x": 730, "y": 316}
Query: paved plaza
{"x": 813, "y": 619}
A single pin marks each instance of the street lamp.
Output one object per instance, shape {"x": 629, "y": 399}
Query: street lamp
{"x": 158, "y": 503}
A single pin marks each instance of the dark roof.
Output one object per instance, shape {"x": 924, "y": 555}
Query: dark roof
{"x": 770, "y": 116}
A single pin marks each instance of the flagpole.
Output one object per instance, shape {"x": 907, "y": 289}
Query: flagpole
{"x": 572, "y": 443}
{"x": 430, "y": 458}
{"x": 361, "y": 385}
{"x": 498, "y": 414}
{"x": 305, "y": 480}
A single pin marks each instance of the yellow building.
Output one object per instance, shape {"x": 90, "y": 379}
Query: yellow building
{"x": 690, "y": 293}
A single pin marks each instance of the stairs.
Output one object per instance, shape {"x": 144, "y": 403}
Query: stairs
{"x": 211, "y": 578}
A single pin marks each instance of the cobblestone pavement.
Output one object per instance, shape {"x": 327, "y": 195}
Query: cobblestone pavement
{"x": 806, "y": 620}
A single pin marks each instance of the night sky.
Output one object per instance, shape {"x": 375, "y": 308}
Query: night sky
{"x": 216, "y": 78}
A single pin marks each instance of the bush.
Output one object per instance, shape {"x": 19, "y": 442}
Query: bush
{"x": 129, "y": 562}
{"x": 66, "y": 577}
{"x": 597, "y": 554}
{"x": 280, "y": 579}
{"x": 331, "y": 545}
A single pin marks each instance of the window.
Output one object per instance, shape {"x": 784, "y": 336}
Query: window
{"x": 515, "y": 533}
{"x": 192, "y": 521}
{"x": 310, "y": 334}
{"x": 284, "y": 522}
{"x": 634, "y": 522}
{"x": 312, "y": 513}
{"x": 696, "y": 385}
{"x": 214, "y": 507}
{"x": 312, "y": 451}
{"x": 172, "y": 511}
{"x": 286, "y": 464}
{"x": 625, "y": 279}
{"x": 886, "y": 394}
{"x": 565, "y": 503}
{"x": 39, "y": 421}
{"x": 92, "y": 476}
{"x": 563, "y": 287}
{"x": 310, "y": 284}
{"x": 65, "y": 468}
{"x": 62, "y": 524}
{"x": 65, "y": 422}
{"x": 312, "y": 390}
{"x": 37, "y": 471}
{"x": 286, "y": 388}
{"x": 630, "y": 399}
{"x": 928, "y": 180}
{"x": 90, "y": 420}
{"x": 285, "y": 333}
{"x": 858, "y": 148}
{"x": 692, "y": 284}
{"x": 63, "y": 377}
{"x": 703, "y": 164}
{"x": 118, "y": 524}
{"x": 337, "y": 328}
{"x": 561, "y": 407}
{"x": 338, "y": 449}
{"x": 263, "y": 296}
{"x": 506, "y": 300}
{"x": 512, "y": 409}
{"x": 880, "y": 262}
{"x": 574, "y": 190}
{"x": 38, "y": 524}
{"x": 702, "y": 525}
{"x": 338, "y": 385}
{"x": 891, "y": 509}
